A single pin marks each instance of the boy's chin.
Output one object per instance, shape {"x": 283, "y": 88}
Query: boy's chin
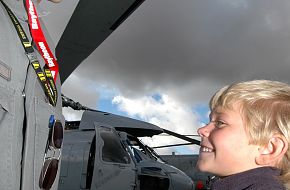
{"x": 201, "y": 166}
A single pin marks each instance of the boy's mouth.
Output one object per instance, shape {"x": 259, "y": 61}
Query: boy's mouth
{"x": 206, "y": 149}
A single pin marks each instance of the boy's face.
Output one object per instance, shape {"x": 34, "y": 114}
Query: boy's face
{"x": 225, "y": 147}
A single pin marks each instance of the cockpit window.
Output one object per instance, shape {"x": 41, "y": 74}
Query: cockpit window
{"x": 141, "y": 151}
{"x": 113, "y": 150}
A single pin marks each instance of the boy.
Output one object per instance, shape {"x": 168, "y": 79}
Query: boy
{"x": 246, "y": 140}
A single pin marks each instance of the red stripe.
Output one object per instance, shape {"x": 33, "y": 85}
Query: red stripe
{"x": 40, "y": 40}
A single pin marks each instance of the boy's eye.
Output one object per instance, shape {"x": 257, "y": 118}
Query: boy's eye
{"x": 219, "y": 123}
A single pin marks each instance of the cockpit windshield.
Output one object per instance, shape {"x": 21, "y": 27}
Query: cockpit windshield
{"x": 141, "y": 151}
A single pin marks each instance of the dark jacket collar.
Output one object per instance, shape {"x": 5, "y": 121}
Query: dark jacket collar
{"x": 264, "y": 178}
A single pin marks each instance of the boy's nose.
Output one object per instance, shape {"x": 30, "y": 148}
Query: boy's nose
{"x": 204, "y": 131}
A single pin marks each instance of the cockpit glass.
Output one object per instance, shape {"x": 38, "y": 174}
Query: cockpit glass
{"x": 113, "y": 151}
{"x": 141, "y": 151}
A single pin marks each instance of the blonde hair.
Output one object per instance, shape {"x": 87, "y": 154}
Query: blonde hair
{"x": 266, "y": 111}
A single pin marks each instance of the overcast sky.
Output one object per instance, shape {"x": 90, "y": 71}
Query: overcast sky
{"x": 167, "y": 59}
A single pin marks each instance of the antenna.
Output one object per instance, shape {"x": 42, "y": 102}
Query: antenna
{"x": 67, "y": 102}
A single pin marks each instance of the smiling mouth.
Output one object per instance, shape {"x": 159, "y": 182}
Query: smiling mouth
{"x": 206, "y": 149}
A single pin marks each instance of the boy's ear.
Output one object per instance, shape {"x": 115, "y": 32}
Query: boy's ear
{"x": 271, "y": 153}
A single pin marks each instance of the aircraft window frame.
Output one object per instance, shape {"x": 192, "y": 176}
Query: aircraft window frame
{"x": 136, "y": 154}
{"x": 113, "y": 151}
{"x": 91, "y": 164}
{"x": 139, "y": 147}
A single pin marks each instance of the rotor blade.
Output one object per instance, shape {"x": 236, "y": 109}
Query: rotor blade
{"x": 91, "y": 23}
{"x": 67, "y": 102}
{"x": 194, "y": 141}
{"x": 163, "y": 134}
{"x": 171, "y": 145}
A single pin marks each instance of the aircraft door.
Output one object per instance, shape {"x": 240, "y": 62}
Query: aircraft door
{"x": 113, "y": 166}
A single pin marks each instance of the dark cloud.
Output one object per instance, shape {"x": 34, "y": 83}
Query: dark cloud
{"x": 81, "y": 90}
{"x": 189, "y": 48}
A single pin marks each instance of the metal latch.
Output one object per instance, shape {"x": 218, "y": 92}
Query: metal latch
{"x": 32, "y": 57}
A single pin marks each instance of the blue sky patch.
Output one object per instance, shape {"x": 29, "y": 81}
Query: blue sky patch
{"x": 202, "y": 110}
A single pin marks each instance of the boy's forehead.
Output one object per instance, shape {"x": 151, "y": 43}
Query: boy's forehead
{"x": 222, "y": 110}
{"x": 217, "y": 112}
{"x": 219, "y": 109}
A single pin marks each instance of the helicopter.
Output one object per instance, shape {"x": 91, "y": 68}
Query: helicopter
{"x": 103, "y": 151}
